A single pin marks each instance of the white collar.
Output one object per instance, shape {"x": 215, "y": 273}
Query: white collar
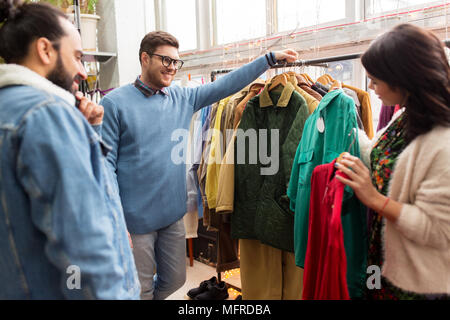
{"x": 13, "y": 74}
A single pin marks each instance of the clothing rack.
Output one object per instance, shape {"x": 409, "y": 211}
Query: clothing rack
{"x": 216, "y": 72}
{"x": 300, "y": 63}
{"x": 313, "y": 62}
{"x": 319, "y": 62}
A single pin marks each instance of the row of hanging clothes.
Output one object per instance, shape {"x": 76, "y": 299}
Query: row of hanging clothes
{"x": 262, "y": 175}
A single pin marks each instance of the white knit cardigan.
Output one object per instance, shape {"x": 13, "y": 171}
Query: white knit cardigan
{"x": 416, "y": 247}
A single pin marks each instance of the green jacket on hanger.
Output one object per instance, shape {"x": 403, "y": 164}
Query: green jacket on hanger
{"x": 328, "y": 133}
{"x": 261, "y": 208}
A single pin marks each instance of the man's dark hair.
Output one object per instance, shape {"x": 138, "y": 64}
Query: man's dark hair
{"x": 154, "y": 39}
{"x": 413, "y": 59}
{"x": 25, "y": 22}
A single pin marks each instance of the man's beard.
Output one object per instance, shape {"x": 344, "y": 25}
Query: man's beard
{"x": 155, "y": 79}
{"x": 60, "y": 77}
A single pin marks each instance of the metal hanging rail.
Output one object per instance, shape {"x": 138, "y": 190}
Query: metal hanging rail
{"x": 280, "y": 65}
{"x": 319, "y": 62}
{"x": 216, "y": 72}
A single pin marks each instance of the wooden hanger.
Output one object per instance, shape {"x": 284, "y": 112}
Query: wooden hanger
{"x": 335, "y": 85}
{"x": 292, "y": 78}
{"x": 280, "y": 79}
{"x": 329, "y": 77}
{"x": 326, "y": 79}
{"x": 308, "y": 79}
{"x": 323, "y": 79}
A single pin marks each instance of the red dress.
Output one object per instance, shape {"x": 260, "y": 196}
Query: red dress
{"x": 325, "y": 271}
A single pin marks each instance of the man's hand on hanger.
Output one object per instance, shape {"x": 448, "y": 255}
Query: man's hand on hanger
{"x": 288, "y": 55}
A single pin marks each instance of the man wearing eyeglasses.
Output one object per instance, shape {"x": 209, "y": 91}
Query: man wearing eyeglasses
{"x": 139, "y": 122}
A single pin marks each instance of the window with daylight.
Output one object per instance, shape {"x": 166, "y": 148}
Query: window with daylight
{"x": 374, "y": 7}
{"x": 293, "y": 14}
{"x": 181, "y": 21}
{"x": 149, "y": 7}
{"x": 238, "y": 20}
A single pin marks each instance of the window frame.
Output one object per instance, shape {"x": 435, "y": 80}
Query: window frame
{"x": 402, "y": 9}
{"x": 215, "y": 25}
{"x": 212, "y": 56}
{"x": 161, "y": 20}
{"x": 352, "y": 13}
{"x": 207, "y": 30}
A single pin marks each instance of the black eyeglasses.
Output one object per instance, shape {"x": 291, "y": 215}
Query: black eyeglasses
{"x": 167, "y": 61}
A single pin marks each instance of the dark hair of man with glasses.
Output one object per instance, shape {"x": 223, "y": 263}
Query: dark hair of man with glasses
{"x": 155, "y": 39}
{"x": 140, "y": 121}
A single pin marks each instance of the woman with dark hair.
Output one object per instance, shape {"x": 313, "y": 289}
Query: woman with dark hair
{"x": 408, "y": 183}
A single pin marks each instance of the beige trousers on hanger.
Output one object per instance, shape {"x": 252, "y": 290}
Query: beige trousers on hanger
{"x": 268, "y": 273}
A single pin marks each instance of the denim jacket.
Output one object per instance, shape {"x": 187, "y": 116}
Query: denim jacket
{"x": 62, "y": 230}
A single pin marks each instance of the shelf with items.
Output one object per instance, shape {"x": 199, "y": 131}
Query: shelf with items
{"x": 92, "y": 59}
{"x": 95, "y": 56}
{"x": 92, "y": 63}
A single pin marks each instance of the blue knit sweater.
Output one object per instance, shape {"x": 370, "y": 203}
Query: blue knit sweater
{"x": 146, "y": 136}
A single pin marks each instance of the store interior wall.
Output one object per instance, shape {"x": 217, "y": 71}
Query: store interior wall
{"x": 121, "y": 29}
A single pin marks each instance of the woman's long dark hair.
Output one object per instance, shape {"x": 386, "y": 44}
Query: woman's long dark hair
{"x": 413, "y": 59}
{"x": 25, "y": 22}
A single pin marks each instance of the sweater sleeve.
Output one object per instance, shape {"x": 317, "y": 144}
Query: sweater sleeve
{"x": 427, "y": 220}
{"x": 228, "y": 84}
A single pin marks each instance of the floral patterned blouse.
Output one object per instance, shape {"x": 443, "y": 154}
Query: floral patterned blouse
{"x": 382, "y": 158}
